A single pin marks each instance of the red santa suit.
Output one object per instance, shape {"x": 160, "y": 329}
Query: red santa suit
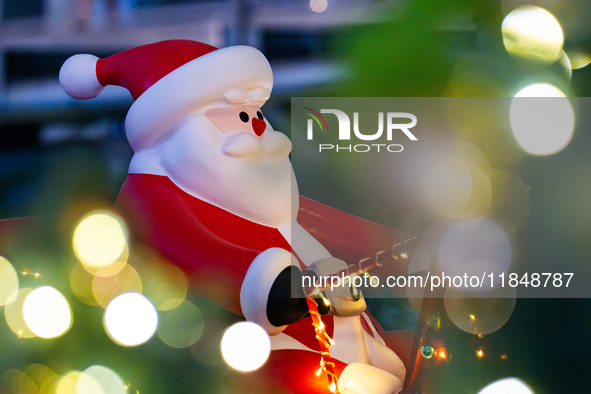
{"x": 202, "y": 238}
{"x": 233, "y": 239}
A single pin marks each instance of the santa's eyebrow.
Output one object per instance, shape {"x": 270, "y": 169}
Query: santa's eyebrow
{"x": 236, "y": 96}
{"x": 259, "y": 94}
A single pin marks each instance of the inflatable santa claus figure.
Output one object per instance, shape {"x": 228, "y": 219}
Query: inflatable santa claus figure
{"x": 211, "y": 187}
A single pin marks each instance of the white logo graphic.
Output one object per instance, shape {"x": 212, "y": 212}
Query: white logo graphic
{"x": 395, "y": 122}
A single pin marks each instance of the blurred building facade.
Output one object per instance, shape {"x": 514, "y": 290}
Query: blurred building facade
{"x": 37, "y": 36}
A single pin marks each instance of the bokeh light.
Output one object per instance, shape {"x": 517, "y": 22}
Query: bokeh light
{"x": 447, "y": 185}
{"x": 13, "y": 381}
{"x": 427, "y": 351}
{"x": 110, "y": 269}
{"x": 481, "y": 197}
{"x": 540, "y": 90}
{"x": 8, "y": 282}
{"x": 50, "y": 385}
{"x": 87, "y": 385}
{"x": 67, "y": 383}
{"x": 318, "y": 6}
{"x": 47, "y": 312}
{"x": 163, "y": 283}
{"x": 533, "y": 32}
{"x": 130, "y": 319}
{"x": 470, "y": 153}
{"x": 75, "y": 382}
{"x": 245, "y": 346}
{"x": 479, "y": 316}
{"x": 40, "y": 374}
{"x": 477, "y": 164}
{"x": 100, "y": 239}
{"x": 566, "y": 64}
{"x": 81, "y": 284}
{"x": 542, "y": 119}
{"x": 105, "y": 378}
{"x": 451, "y": 180}
{"x": 507, "y": 386}
{"x": 579, "y": 59}
{"x": 13, "y": 313}
{"x": 105, "y": 289}
{"x": 182, "y": 326}
{"x": 473, "y": 239}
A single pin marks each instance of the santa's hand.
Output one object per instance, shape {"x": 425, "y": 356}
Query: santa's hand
{"x": 344, "y": 298}
{"x": 272, "y": 294}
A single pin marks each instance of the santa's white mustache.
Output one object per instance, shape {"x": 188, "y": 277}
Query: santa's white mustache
{"x": 241, "y": 144}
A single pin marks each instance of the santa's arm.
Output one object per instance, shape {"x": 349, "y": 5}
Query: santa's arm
{"x": 353, "y": 239}
{"x": 243, "y": 280}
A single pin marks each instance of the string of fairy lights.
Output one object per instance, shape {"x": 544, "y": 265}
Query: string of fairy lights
{"x": 324, "y": 340}
{"x": 327, "y": 366}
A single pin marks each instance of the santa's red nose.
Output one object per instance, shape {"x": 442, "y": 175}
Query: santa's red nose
{"x": 258, "y": 126}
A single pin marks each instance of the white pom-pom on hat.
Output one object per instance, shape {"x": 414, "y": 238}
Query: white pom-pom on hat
{"x": 169, "y": 80}
{"x": 78, "y": 77}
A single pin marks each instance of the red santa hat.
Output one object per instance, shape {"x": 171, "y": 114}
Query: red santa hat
{"x": 170, "y": 80}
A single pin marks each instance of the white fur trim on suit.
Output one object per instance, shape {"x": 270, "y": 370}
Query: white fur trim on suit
{"x": 359, "y": 378}
{"x": 257, "y": 284}
{"x": 78, "y": 77}
{"x": 193, "y": 85}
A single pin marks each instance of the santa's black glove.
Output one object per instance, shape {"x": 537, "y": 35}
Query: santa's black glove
{"x": 287, "y": 300}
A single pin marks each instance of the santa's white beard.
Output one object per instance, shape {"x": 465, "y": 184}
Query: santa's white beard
{"x": 242, "y": 144}
{"x": 236, "y": 171}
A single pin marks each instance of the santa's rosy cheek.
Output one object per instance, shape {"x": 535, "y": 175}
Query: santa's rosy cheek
{"x": 233, "y": 118}
{"x": 226, "y": 125}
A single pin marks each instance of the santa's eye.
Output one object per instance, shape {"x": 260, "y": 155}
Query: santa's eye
{"x": 260, "y": 115}
{"x": 244, "y": 116}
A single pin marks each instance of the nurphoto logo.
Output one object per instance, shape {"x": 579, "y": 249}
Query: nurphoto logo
{"x": 396, "y": 123}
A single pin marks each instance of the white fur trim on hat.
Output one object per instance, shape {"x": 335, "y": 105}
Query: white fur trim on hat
{"x": 78, "y": 77}
{"x": 257, "y": 284}
{"x": 188, "y": 88}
